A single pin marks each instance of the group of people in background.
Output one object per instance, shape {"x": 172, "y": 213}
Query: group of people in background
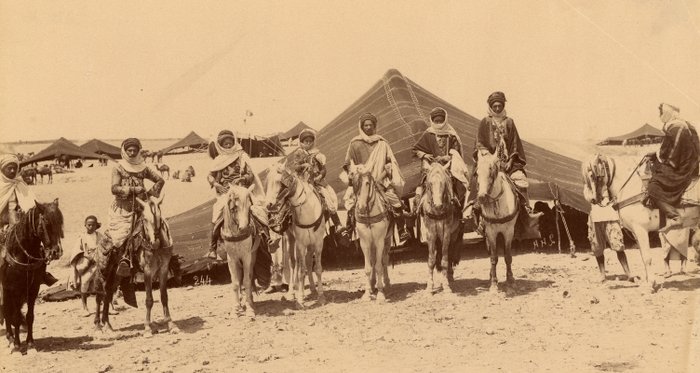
{"x": 676, "y": 164}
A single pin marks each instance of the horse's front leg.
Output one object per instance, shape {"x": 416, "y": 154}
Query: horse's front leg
{"x": 248, "y": 267}
{"x": 508, "y": 258}
{"x": 163, "y": 287}
{"x": 642, "y": 237}
{"x": 148, "y": 285}
{"x": 31, "y": 349}
{"x": 445, "y": 260}
{"x": 379, "y": 265}
{"x": 432, "y": 262}
{"x": 300, "y": 273}
{"x": 318, "y": 269}
{"x": 98, "y": 323}
{"x": 365, "y": 244}
{"x": 493, "y": 250}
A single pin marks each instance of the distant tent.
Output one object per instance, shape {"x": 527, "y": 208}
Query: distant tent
{"x": 646, "y": 134}
{"x": 260, "y": 146}
{"x": 100, "y": 147}
{"x": 401, "y": 107}
{"x": 293, "y": 133}
{"x": 64, "y": 148}
{"x": 193, "y": 142}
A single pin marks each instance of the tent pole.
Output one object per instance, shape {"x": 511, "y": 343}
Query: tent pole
{"x": 556, "y": 220}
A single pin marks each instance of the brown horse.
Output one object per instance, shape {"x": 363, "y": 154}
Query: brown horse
{"x": 29, "y": 246}
{"x": 441, "y": 220}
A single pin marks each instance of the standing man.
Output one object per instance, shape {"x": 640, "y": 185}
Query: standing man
{"x": 374, "y": 152}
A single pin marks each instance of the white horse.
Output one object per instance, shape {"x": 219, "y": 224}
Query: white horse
{"x": 306, "y": 233}
{"x": 374, "y": 231}
{"x": 499, "y": 209}
{"x": 626, "y": 190}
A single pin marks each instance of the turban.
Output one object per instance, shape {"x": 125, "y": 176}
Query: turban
{"x": 368, "y": 116}
{"x": 438, "y": 112}
{"x": 668, "y": 112}
{"x": 6, "y": 159}
{"x": 306, "y": 133}
{"x": 93, "y": 217}
{"x": 131, "y": 141}
{"x": 496, "y": 97}
{"x": 225, "y": 134}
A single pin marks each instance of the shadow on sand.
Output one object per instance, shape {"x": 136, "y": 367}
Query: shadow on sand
{"x": 67, "y": 344}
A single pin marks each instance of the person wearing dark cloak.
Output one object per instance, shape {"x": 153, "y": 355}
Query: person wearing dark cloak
{"x": 441, "y": 143}
{"x": 674, "y": 165}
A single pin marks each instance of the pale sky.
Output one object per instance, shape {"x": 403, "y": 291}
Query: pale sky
{"x": 570, "y": 69}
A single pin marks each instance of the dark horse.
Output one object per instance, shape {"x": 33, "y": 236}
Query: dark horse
{"x": 30, "y": 245}
{"x": 153, "y": 246}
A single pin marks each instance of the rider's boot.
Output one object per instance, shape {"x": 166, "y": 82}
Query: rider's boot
{"x": 401, "y": 224}
{"x": 350, "y": 223}
{"x": 213, "y": 243}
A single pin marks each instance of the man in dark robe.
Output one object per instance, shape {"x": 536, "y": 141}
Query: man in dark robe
{"x": 675, "y": 165}
{"x": 441, "y": 143}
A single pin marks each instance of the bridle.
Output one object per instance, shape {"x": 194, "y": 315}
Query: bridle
{"x": 37, "y": 230}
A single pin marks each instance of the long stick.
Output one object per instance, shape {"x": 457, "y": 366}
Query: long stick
{"x": 556, "y": 220}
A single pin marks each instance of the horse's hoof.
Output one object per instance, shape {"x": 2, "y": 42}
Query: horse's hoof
{"x": 667, "y": 274}
{"x": 299, "y": 305}
{"x": 31, "y": 351}
{"x": 447, "y": 290}
{"x": 321, "y": 300}
{"x": 381, "y": 298}
{"x": 367, "y": 296}
{"x": 148, "y": 333}
{"x": 493, "y": 289}
{"x": 174, "y": 330}
{"x": 15, "y": 349}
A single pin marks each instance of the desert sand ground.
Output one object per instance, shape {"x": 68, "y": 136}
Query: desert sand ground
{"x": 558, "y": 319}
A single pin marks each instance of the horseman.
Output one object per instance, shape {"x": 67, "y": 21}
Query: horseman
{"x": 440, "y": 143}
{"x": 231, "y": 166}
{"x": 308, "y": 160}
{"x": 374, "y": 153}
{"x": 128, "y": 177}
{"x": 675, "y": 165}
{"x": 15, "y": 198}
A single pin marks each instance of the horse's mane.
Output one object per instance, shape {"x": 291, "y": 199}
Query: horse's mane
{"x": 27, "y": 221}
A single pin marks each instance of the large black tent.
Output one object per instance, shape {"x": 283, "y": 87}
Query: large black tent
{"x": 293, "y": 132}
{"x": 401, "y": 107}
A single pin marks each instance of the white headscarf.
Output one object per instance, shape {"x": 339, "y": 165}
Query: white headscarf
{"x": 25, "y": 198}
{"x": 669, "y": 115}
{"x": 132, "y": 164}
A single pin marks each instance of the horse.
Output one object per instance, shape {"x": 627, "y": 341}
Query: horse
{"x": 306, "y": 233}
{"x": 45, "y": 170}
{"x": 30, "y": 245}
{"x": 499, "y": 211}
{"x": 640, "y": 220}
{"x": 164, "y": 169}
{"x": 374, "y": 230}
{"x": 241, "y": 245}
{"x": 440, "y": 218}
{"x": 154, "y": 249}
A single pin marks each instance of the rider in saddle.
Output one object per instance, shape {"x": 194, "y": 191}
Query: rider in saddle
{"x": 307, "y": 158}
{"x": 440, "y": 143}
{"x": 231, "y": 166}
{"x": 498, "y": 135}
{"x": 674, "y": 166}
{"x": 15, "y": 197}
{"x": 128, "y": 184}
{"x": 373, "y": 151}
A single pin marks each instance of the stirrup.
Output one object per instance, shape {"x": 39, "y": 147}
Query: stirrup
{"x": 124, "y": 268}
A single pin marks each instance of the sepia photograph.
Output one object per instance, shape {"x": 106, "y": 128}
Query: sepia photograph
{"x": 350, "y": 186}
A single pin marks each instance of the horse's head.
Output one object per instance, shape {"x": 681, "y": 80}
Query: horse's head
{"x": 237, "y": 213}
{"x": 278, "y": 184}
{"x": 48, "y": 220}
{"x": 153, "y": 219}
{"x": 486, "y": 172}
{"x": 363, "y": 185}
{"x": 598, "y": 173}
{"x": 438, "y": 186}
